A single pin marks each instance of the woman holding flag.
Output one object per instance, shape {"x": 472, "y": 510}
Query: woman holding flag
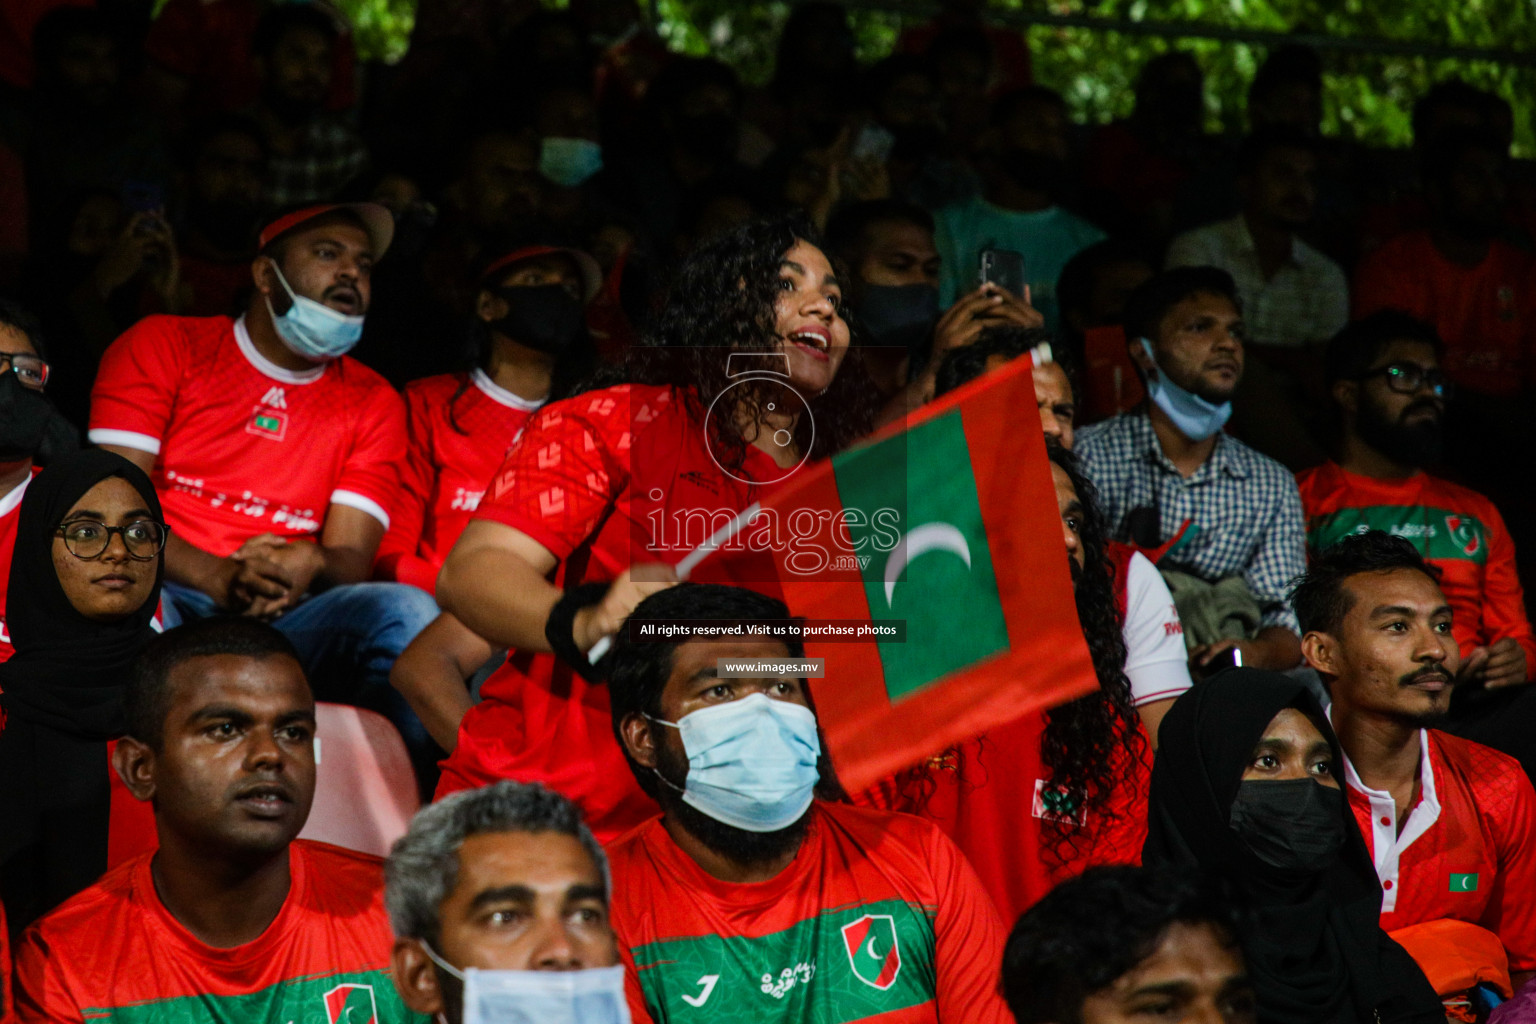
{"x": 747, "y": 376}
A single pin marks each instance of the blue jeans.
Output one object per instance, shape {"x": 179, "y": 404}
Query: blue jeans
{"x": 348, "y": 639}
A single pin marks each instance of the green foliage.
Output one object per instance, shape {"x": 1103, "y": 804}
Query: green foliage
{"x": 382, "y": 28}
{"x": 1369, "y": 97}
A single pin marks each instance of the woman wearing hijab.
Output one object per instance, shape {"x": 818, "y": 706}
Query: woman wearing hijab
{"x": 1243, "y": 788}
{"x": 85, "y": 582}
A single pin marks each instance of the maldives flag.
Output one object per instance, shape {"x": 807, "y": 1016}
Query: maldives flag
{"x": 949, "y": 524}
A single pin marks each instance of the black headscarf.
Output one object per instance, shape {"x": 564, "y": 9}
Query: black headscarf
{"x": 1315, "y": 949}
{"x": 69, "y": 672}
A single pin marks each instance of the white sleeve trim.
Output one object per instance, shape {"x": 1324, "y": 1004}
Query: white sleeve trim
{"x": 125, "y": 439}
{"x": 362, "y": 503}
{"x": 1156, "y": 660}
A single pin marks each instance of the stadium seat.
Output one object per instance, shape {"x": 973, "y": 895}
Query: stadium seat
{"x": 365, "y": 791}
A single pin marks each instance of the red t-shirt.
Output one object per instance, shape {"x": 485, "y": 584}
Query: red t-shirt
{"x": 1456, "y": 529}
{"x": 878, "y": 917}
{"x": 1468, "y": 849}
{"x": 1483, "y": 313}
{"x": 9, "y": 504}
{"x": 460, "y": 426}
{"x": 114, "y": 952}
{"x": 603, "y": 480}
{"x": 243, "y": 446}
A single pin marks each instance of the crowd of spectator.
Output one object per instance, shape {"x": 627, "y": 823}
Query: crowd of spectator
{"x": 392, "y": 392}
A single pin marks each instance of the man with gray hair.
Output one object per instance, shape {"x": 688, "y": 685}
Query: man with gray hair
{"x": 499, "y": 902}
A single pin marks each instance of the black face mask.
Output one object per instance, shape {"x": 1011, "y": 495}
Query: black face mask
{"x": 544, "y": 317}
{"x": 898, "y": 315}
{"x": 1295, "y": 826}
{"x": 24, "y": 416}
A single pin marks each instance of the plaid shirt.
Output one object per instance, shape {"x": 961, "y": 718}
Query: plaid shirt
{"x": 1244, "y": 508}
{"x": 328, "y": 156}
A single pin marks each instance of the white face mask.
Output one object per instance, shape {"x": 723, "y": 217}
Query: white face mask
{"x": 591, "y": 996}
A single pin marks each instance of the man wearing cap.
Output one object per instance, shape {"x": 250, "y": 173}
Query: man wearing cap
{"x": 532, "y": 347}
{"x": 277, "y": 457}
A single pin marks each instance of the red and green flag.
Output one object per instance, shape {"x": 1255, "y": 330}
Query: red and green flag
{"x": 947, "y": 524}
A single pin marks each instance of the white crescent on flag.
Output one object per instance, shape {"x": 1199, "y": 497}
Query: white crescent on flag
{"x": 928, "y": 537}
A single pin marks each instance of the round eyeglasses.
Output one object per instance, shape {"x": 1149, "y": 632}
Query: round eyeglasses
{"x": 1408, "y": 378}
{"x": 87, "y": 539}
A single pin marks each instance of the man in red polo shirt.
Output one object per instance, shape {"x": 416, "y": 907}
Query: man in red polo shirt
{"x": 277, "y": 458}
{"x": 1451, "y": 824}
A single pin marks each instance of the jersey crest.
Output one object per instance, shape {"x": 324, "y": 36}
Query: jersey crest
{"x": 351, "y": 1003}
{"x": 873, "y": 952}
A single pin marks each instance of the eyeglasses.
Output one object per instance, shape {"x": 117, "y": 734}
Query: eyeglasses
{"x": 1408, "y": 378}
{"x": 87, "y": 539}
{"x": 29, "y": 368}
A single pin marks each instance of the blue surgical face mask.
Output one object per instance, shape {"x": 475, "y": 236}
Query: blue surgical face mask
{"x": 594, "y": 995}
{"x": 313, "y": 329}
{"x": 569, "y": 162}
{"x": 751, "y": 762}
{"x": 1195, "y": 418}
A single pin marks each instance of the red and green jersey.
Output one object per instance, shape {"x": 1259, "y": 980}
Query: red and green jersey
{"x": 1456, "y": 529}
{"x": 115, "y": 953}
{"x": 879, "y": 917}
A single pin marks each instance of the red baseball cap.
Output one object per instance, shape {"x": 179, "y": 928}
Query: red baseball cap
{"x": 379, "y": 222}
{"x": 591, "y": 273}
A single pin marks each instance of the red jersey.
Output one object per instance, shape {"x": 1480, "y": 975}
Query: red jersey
{"x": 243, "y": 446}
{"x": 1482, "y": 313}
{"x": 460, "y": 426}
{"x": 1468, "y": 849}
{"x": 1457, "y": 530}
{"x": 603, "y": 480}
{"x": 8, "y": 517}
{"x": 878, "y": 917}
{"x": 115, "y": 953}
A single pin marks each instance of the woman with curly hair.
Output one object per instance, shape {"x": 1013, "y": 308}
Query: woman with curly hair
{"x": 746, "y": 376}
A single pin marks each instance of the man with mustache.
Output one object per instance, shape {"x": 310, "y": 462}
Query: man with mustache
{"x": 1223, "y": 516}
{"x": 1385, "y": 376}
{"x": 277, "y": 457}
{"x": 232, "y": 918}
{"x": 1451, "y": 823}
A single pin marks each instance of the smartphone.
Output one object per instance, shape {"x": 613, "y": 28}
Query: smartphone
{"x": 1004, "y": 268}
{"x": 872, "y": 144}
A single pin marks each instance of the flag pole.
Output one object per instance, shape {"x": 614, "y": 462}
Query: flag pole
{"x": 690, "y": 562}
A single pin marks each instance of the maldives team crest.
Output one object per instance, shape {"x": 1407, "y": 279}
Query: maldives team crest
{"x": 1465, "y": 533}
{"x": 873, "y": 952}
{"x": 351, "y": 1003}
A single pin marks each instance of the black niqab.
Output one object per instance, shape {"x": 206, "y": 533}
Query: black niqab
{"x": 69, "y": 672}
{"x": 1314, "y": 945}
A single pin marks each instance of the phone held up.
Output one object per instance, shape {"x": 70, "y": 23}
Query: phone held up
{"x": 1003, "y": 268}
